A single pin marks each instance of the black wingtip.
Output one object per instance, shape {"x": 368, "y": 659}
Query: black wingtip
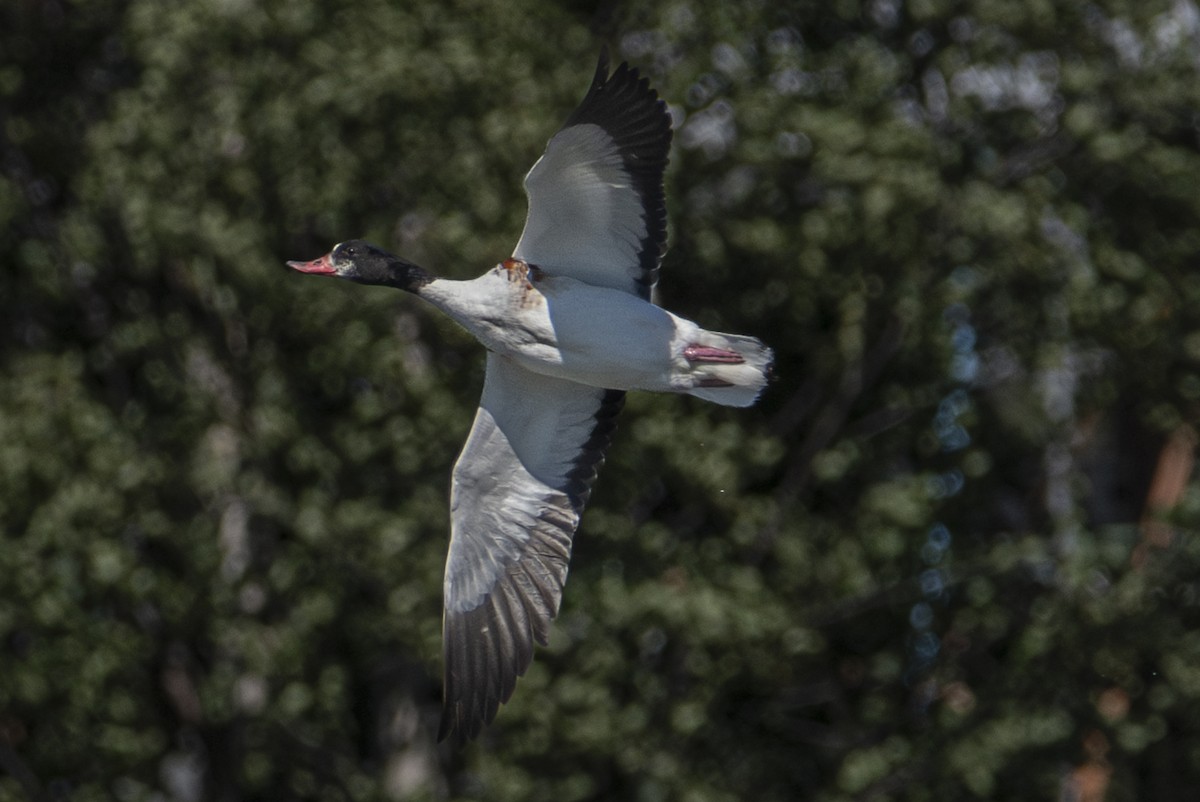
{"x": 445, "y": 727}
{"x": 602, "y": 65}
{"x": 452, "y": 727}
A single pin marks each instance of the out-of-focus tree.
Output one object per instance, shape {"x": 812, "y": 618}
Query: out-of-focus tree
{"x": 948, "y": 556}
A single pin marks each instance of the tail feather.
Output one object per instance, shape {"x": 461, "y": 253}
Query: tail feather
{"x": 735, "y": 384}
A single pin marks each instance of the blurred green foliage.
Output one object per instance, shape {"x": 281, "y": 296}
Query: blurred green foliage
{"x": 914, "y": 572}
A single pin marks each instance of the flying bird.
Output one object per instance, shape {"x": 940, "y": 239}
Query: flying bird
{"x": 569, "y": 326}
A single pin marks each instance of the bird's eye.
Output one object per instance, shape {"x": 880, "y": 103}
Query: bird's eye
{"x": 352, "y": 251}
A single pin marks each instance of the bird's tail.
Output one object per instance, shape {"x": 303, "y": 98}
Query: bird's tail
{"x": 728, "y": 369}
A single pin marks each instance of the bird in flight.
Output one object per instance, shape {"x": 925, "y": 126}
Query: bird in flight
{"x": 569, "y": 327}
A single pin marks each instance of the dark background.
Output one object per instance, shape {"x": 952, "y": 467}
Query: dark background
{"x": 951, "y": 554}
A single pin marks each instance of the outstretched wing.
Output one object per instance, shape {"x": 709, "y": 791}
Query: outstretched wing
{"x": 519, "y": 488}
{"x": 596, "y": 206}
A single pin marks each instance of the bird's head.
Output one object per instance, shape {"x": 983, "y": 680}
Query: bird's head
{"x": 362, "y": 262}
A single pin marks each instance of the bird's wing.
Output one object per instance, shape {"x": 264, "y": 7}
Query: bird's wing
{"x": 596, "y": 207}
{"x": 519, "y": 488}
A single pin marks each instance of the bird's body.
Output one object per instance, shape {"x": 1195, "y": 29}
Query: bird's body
{"x": 561, "y": 327}
{"x": 569, "y": 327}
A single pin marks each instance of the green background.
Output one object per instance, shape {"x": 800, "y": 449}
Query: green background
{"x": 917, "y": 570}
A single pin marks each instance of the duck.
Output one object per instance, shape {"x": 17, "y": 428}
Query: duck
{"x": 569, "y": 327}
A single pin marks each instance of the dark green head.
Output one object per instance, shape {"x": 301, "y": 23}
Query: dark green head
{"x": 362, "y": 262}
